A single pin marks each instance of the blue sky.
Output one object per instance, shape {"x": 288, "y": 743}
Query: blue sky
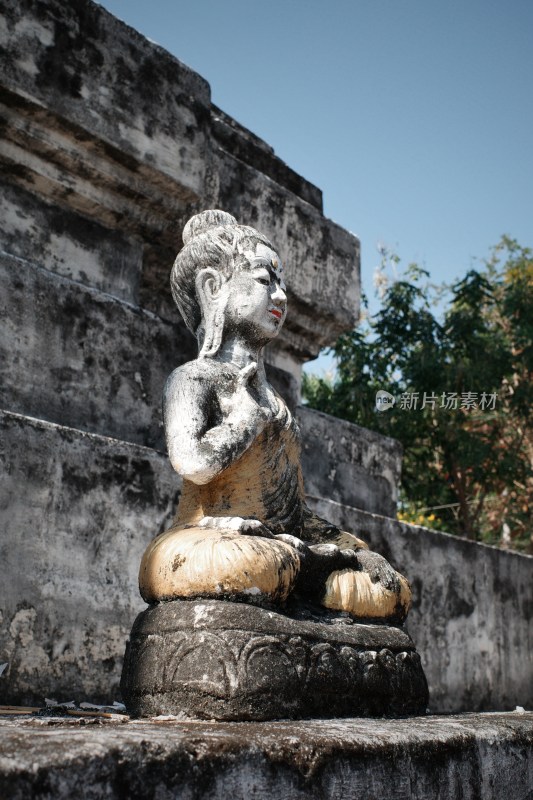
{"x": 415, "y": 117}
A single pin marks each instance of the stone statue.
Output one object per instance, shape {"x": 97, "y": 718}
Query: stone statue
{"x": 244, "y": 541}
{"x": 243, "y": 529}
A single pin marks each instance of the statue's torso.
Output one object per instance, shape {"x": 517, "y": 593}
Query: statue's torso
{"x": 265, "y": 483}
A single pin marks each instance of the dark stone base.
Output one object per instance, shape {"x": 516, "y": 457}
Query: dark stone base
{"x": 213, "y": 659}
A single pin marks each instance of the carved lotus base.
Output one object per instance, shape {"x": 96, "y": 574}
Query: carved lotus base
{"x": 213, "y": 659}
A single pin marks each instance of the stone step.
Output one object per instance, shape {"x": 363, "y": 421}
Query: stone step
{"x": 128, "y": 102}
{"x": 70, "y": 244}
{"x": 76, "y": 356}
{"x": 247, "y": 147}
{"x": 76, "y": 513}
{"x": 470, "y": 756}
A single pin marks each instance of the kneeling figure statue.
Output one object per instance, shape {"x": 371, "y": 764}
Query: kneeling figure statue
{"x": 249, "y": 589}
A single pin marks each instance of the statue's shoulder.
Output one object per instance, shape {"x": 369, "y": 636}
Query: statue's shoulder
{"x": 202, "y": 374}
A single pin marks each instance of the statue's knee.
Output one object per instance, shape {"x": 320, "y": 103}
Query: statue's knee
{"x": 205, "y": 562}
{"x": 355, "y": 592}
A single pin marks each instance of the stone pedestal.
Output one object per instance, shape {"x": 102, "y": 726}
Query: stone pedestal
{"x": 212, "y": 659}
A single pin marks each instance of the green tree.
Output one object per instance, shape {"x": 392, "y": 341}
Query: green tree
{"x": 463, "y": 386}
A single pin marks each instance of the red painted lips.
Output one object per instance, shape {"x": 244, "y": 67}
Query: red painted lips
{"x": 276, "y": 312}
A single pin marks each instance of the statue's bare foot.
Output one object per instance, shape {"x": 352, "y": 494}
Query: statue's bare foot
{"x": 379, "y": 569}
{"x": 253, "y": 527}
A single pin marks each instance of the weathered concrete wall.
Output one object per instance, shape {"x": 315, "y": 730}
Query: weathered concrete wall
{"x": 470, "y": 757}
{"x": 76, "y": 513}
{"x": 86, "y": 71}
{"x": 472, "y": 614}
{"x": 107, "y": 125}
{"x": 70, "y": 244}
{"x": 349, "y": 464}
{"x": 84, "y": 358}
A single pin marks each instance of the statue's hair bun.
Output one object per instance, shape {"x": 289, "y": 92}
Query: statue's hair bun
{"x": 200, "y": 223}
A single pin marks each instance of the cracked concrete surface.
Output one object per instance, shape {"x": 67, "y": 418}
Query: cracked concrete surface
{"x": 469, "y": 756}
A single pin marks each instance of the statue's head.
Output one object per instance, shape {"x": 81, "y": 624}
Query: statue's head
{"x": 227, "y": 277}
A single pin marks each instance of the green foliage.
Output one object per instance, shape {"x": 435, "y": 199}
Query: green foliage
{"x": 470, "y": 469}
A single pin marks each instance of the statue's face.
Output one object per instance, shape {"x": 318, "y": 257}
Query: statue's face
{"x": 257, "y": 303}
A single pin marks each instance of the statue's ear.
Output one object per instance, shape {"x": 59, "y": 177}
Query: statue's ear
{"x": 209, "y": 283}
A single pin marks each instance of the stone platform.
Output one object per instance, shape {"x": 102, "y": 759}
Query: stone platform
{"x": 212, "y": 659}
{"x": 469, "y": 756}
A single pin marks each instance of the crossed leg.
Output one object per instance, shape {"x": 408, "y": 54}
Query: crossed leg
{"x": 358, "y": 581}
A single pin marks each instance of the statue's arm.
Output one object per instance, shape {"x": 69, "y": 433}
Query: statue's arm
{"x": 202, "y": 438}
